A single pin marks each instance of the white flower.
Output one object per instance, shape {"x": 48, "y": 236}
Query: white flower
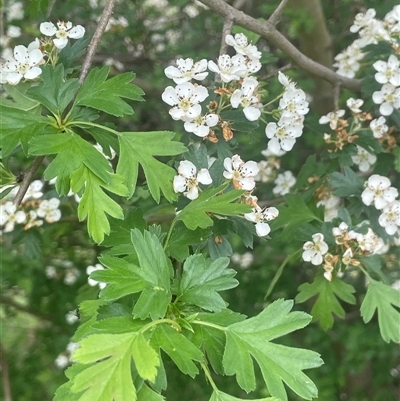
{"x": 62, "y": 361}
{"x": 48, "y": 209}
{"x": 393, "y": 19}
{"x": 200, "y": 126}
{"x": 185, "y": 99}
{"x": 347, "y": 61}
{"x": 315, "y": 249}
{"x": 340, "y": 232}
{"x": 246, "y": 98}
{"x": 34, "y": 190}
{"x": 244, "y": 261}
{"x": 242, "y": 46}
{"x": 71, "y": 275}
{"x": 9, "y": 216}
{"x": 293, "y": 103}
{"x": 282, "y": 136}
{"x": 388, "y": 98}
{"x": 347, "y": 256}
{"x": 71, "y": 317}
{"x": 378, "y": 127}
{"x": 283, "y": 183}
{"x": 259, "y": 216}
{"x": 230, "y": 69}
{"x": 363, "y": 159}
{"x": 91, "y": 269}
{"x": 65, "y": 30}
{"x": 187, "y": 70}
{"x": 388, "y": 72}
{"x": 13, "y": 31}
{"x": 241, "y": 173}
{"x": 269, "y": 153}
{"x": 24, "y": 64}
{"x": 331, "y": 204}
{"x": 265, "y": 172}
{"x": 332, "y": 118}
{"x": 286, "y": 82}
{"x": 188, "y": 181}
{"x": 369, "y": 243}
{"x": 50, "y": 271}
{"x": 72, "y": 347}
{"x": 354, "y": 104}
{"x": 14, "y": 11}
{"x": 378, "y": 191}
{"x": 361, "y": 20}
{"x": 390, "y": 217}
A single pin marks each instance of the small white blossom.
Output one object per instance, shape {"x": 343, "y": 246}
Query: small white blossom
{"x": 315, "y": 249}
{"x": 24, "y": 64}
{"x": 242, "y": 174}
{"x": 259, "y": 216}
{"x": 9, "y": 216}
{"x": 200, "y": 126}
{"x": 293, "y": 103}
{"x": 284, "y": 182}
{"x": 369, "y": 243}
{"x": 378, "y": 191}
{"x": 246, "y": 98}
{"x": 265, "y": 172}
{"x": 331, "y": 204}
{"x": 34, "y": 190}
{"x": 71, "y": 275}
{"x": 71, "y": 317}
{"x": 13, "y": 31}
{"x": 354, "y": 104}
{"x": 62, "y": 361}
{"x": 48, "y": 209}
{"x": 185, "y": 99}
{"x": 362, "y": 20}
{"x": 229, "y": 68}
{"x": 50, "y": 271}
{"x": 340, "y": 232}
{"x": 72, "y": 347}
{"x": 390, "y": 217}
{"x": 378, "y": 127}
{"x": 388, "y": 72}
{"x": 244, "y": 261}
{"x": 186, "y": 70}
{"x": 332, "y": 118}
{"x": 65, "y": 30}
{"x": 282, "y": 136}
{"x": 91, "y": 269}
{"x": 388, "y": 98}
{"x": 242, "y": 46}
{"x": 188, "y": 179}
{"x": 14, "y": 11}
{"x": 363, "y": 159}
{"x": 347, "y": 256}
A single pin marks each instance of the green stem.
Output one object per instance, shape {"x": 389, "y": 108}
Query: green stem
{"x": 279, "y": 273}
{"x": 208, "y": 375}
{"x": 160, "y": 321}
{"x": 365, "y": 272}
{"x": 93, "y": 125}
{"x": 169, "y": 234}
{"x": 214, "y": 326}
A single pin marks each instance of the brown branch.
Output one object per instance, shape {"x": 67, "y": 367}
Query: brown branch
{"x": 5, "y": 374}
{"x": 101, "y": 27}
{"x": 226, "y": 30}
{"x": 10, "y": 302}
{"x": 269, "y": 32}
{"x": 28, "y": 178}
{"x": 273, "y": 19}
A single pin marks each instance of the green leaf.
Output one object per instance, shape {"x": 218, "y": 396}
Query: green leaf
{"x": 56, "y": 92}
{"x": 293, "y": 216}
{"x": 18, "y": 127}
{"x": 278, "y": 364}
{"x": 178, "y": 348}
{"x": 327, "y": 303}
{"x": 122, "y": 278}
{"x": 211, "y": 339}
{"x": 106, "y": 95}
{"x": 95, "y": 203}
{"x": 182, "y": 238}
{"x": 220, "y": 396}
{"x": 109, "y": 376}
{"x": 147, "y": 394}
{"x": 22, "y": 101}
{"x": 195, "y": 214}
{"x": 142, "y": 147}
{"x": 155, "y": 270}
{"x": 384, "y": 299}
{"x": 202, "y": 279}
{"x": 346, "y": 184}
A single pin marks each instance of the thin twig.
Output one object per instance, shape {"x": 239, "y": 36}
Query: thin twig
{"x": 273, "y": 19}
{"x": 336, "y": 95}
{"x": 226, "y": 30}
{"x": 269, "y": 32}
{"x": 5, "y": 374}
{"x": 28, "y": 178}
{"x": 101, "y": 27}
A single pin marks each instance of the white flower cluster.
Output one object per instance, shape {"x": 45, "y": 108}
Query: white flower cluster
{"x": 92, "y": 282}
{"x": 379, "y": 192}
{"x": 244, "y": 261}
{"x": 32, "y": 209}
{"x": 292, "y": 107}
{"x": 370, "y": 31}
{"x": 388, "y": 74}
{"x": 23, "y": 63}
{"x": 64, "y": 359}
